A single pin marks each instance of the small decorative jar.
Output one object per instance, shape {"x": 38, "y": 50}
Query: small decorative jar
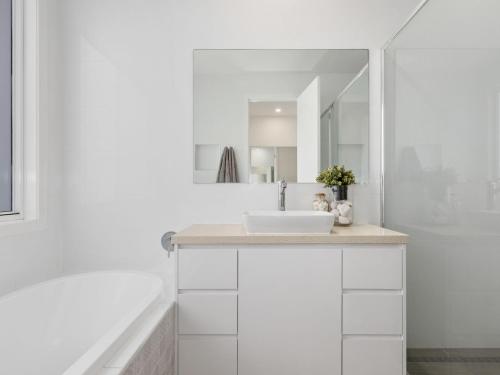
{"x": 341, "y": 206}
{"x": 320, "y": 203}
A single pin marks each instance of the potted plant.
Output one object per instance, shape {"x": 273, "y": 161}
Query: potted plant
{"x": 338, "y": 179}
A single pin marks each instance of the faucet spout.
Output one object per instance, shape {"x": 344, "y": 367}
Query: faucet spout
{"x": 281, "y": 195}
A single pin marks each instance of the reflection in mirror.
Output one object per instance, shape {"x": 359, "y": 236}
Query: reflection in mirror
{"x": 344, "y": 128}
{"x": 272, "y": 138}
{"x": 265, "y": 115}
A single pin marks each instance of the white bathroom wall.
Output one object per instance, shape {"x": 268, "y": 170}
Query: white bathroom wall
{"x": 308, "y": 117}
{"x": 445, "y": 153}
{"x": 31, "y": 252}
{"x": 126, "y": 76}
{"x": 272, "y": 131}
{"x": 442, "y": 150}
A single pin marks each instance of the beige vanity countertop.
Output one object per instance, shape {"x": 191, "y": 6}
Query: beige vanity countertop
{"x": 235, "y": 234}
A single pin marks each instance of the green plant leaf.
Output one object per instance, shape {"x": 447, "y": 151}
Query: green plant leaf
{"x": 336, "y": 175}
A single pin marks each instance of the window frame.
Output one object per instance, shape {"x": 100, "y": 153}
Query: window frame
{"x": 17, "y": 95}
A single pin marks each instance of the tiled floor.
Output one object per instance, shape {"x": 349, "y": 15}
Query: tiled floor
{"x": 454, "y": 361}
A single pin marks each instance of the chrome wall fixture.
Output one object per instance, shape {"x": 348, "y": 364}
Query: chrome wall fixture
{"x": 166, "y": 242}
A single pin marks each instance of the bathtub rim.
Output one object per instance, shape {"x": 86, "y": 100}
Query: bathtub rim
{"x": 53, "y": 280}
{"x": 96, "y": 356}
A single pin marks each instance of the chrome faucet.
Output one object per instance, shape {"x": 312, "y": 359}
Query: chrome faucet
{"x": 281, "y": 196}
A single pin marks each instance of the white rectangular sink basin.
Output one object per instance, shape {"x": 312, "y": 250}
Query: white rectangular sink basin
{"x": 292, "y": 222}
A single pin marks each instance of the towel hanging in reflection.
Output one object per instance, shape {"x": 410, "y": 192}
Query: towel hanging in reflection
{"x": 228, "y": 172}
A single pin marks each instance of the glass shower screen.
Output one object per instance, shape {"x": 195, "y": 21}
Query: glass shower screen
{"x": 441, "y": 182}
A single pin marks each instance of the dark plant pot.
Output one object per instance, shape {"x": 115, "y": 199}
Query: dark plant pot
{"x": 340, "y": 192}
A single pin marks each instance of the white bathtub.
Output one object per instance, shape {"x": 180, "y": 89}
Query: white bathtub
{"x": 73, "y": 325}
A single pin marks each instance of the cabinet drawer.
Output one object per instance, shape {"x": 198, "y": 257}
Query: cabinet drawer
{"x": 373, "y": 268}
{"x": 207, "y": 356}
{"x": 371, "y": 314}
{"x": 208, "y": 269}
{"x": 372, "y": 356}
{"x": 207, "y": 313}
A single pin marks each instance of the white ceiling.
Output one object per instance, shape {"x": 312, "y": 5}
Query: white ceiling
{"x": 284, "y": 61}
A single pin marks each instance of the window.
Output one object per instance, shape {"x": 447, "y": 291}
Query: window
{"x": 6, "y": 128}
{"x": 19, "y": 116}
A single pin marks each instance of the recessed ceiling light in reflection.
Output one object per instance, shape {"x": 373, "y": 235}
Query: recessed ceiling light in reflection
{"x": 277, "y": 110}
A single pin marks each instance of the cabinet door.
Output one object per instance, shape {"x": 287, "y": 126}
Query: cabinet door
{"x": 289, "y": 311}
{"x": 373, "y": 268}
{"x": 207, "y": 313}
{"x": 373, "y": 314}
{"x": 208, "y": 268}
{"x": 207, "y": 355}
{"x": 373, "y": 356}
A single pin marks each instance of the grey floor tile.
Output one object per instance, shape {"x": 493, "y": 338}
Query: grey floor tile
{"x": 426, "y": 353}
{"x": 474, "y": 353}
{"x": 484, "y": 368}
{"x": 418, "y": 368}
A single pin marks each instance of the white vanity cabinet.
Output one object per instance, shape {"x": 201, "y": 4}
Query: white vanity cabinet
{"x": 289, "y": 316}
{"x": 373, "y": 310}
{"x": 290, "y": 308}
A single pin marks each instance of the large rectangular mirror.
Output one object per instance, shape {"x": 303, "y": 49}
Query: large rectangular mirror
{"x": 265, "y": 115}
